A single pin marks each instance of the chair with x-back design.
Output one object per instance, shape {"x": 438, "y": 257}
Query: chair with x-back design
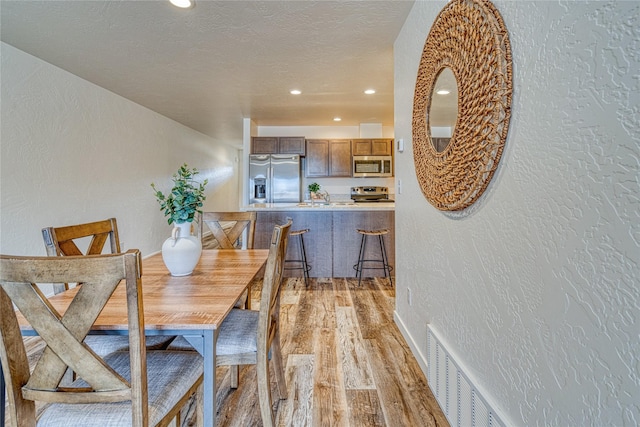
{"x": 63, "y": 241}
{"x": 228, "y": 228}
{"x": 253, "y": 337}
{"x": 66, "y": 241}
{"x": 134, "y": 388}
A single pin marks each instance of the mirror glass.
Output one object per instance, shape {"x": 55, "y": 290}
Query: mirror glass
{"x": 443, "y": 111}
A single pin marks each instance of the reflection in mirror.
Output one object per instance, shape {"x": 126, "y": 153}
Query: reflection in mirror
{"x": 443, "y": 111}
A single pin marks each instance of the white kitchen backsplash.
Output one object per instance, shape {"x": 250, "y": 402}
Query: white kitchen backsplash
{"x": 340, "y": 188}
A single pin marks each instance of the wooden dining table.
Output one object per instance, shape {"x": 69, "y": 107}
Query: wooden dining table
{"x": 193, "y": 306}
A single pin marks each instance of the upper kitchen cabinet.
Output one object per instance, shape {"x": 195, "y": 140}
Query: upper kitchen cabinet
{"x": 292, "y": 145}
{"x": 372, "y": 147}
{"x": 328, "y": 158}
{"x": 278, "y": 145}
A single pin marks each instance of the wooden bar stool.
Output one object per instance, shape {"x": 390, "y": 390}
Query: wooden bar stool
{"x": 373, "y": 264}
{"x": 302, "y": 262}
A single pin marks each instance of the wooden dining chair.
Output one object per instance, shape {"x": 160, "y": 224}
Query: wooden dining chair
{"x": 66, "y": 241}
{"x": 129, "y": 388}
{"x": 252, "y": 337}
{"x": 227, "y": 228}
{"x": 63, "y": 241}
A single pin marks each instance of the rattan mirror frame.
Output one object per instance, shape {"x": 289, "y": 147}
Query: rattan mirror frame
{"x": 468, "y": 36}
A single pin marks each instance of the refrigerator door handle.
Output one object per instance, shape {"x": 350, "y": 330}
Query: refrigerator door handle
{"x": 270, "y": 175}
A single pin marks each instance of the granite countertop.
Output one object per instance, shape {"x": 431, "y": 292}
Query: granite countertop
{"x": 333, "y": 206}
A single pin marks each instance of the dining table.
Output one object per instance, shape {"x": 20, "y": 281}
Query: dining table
{"x": 193, "y": 306}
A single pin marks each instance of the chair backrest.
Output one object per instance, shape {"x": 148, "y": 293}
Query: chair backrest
{"x": 270, "y": 297}
{"x": 228, "y": 237}
{"x": 62, "y": 241}
{"x": 63, "y": 334}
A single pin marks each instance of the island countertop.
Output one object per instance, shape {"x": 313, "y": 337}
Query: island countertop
{"x": 332, "y": 239}
{"x": 334, "y": 206}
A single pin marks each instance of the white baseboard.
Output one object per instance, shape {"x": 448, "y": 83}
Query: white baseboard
{"x": 415, "y": 349}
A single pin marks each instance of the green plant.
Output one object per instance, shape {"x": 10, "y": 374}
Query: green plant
{"x": 185, "y": 198}
{"x": 314, "y": 187}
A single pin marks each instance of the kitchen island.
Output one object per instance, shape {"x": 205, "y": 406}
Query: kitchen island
{"x": 332, "y": 243}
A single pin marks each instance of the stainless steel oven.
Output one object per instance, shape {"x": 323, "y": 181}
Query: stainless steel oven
{"x": 370, "y": 166}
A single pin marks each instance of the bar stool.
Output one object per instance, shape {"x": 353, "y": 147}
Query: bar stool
{"x": 377, "y": 264}
{"x": 302, "y": 262}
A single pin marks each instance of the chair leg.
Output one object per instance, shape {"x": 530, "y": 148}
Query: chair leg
{"x": 360, "y": 264}
{"x": 234, "y": 372}
{"x": 264, "y": 392}
{"x": 301, "y": 262}
{"x": 278, "y": 366}
{"x": 383, "y": 252}
{"x": 385, "y": 260}
{"x": 200, "y": 406}
{"x": 305, "y": 266}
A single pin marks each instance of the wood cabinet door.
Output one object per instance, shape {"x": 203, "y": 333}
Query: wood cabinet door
{"x": 264, "y": 145}
{"x": 291, "y": 145}
{"x": 340, "y": 157}
{"x": 346, "y": 240}
{"x": 372, "y": 147}
{"x": 381, "y": 147}
{"x": 317, "y": 158}
{"x": 361, "y": 147}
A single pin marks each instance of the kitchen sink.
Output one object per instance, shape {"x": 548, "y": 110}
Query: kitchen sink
{"x": 324, "y": 204}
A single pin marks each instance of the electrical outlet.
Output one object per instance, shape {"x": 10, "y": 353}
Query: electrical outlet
{"x": 399, "y": 186}
{"x": 409, "y": 296}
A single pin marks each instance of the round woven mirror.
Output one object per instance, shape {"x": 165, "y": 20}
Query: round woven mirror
{"x": 469, "y": 38}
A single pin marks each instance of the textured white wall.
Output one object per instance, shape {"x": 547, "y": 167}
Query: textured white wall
{"x": 73, "y": 152}
{"x": 536, "y": 288}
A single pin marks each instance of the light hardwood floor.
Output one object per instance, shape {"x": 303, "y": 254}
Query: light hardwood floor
{"x": 346, "y": 362}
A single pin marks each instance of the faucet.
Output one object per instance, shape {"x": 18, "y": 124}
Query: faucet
{"x": 326, "y": 197}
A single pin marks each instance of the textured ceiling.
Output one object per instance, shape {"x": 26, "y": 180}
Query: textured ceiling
{"x": 211, "y": 66}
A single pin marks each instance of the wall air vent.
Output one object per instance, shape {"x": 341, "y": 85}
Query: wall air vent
{"x": 460, "y": 400}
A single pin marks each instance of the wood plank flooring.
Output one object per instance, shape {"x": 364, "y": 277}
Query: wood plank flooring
{"x": 346, "y": 362}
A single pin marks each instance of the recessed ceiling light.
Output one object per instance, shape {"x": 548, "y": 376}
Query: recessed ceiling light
{"x": 369, "y": 91}
{"x": 184, "y": 4}
{"x": 443, "y": 92}
{"x": 337, "y": 119}
{"x": 295, "y": 92}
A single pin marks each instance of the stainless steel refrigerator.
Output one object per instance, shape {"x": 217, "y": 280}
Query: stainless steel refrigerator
{"x": 274, "y": 178}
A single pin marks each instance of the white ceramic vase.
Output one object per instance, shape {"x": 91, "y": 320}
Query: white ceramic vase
{"x": 181, "y": 251}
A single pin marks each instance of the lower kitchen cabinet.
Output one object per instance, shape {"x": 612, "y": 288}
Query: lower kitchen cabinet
{"x": 347, "y": 240}
{"x": 332, "y": 242}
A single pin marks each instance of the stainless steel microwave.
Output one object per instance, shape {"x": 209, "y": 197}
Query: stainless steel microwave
{"x": 372, "y": 166}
